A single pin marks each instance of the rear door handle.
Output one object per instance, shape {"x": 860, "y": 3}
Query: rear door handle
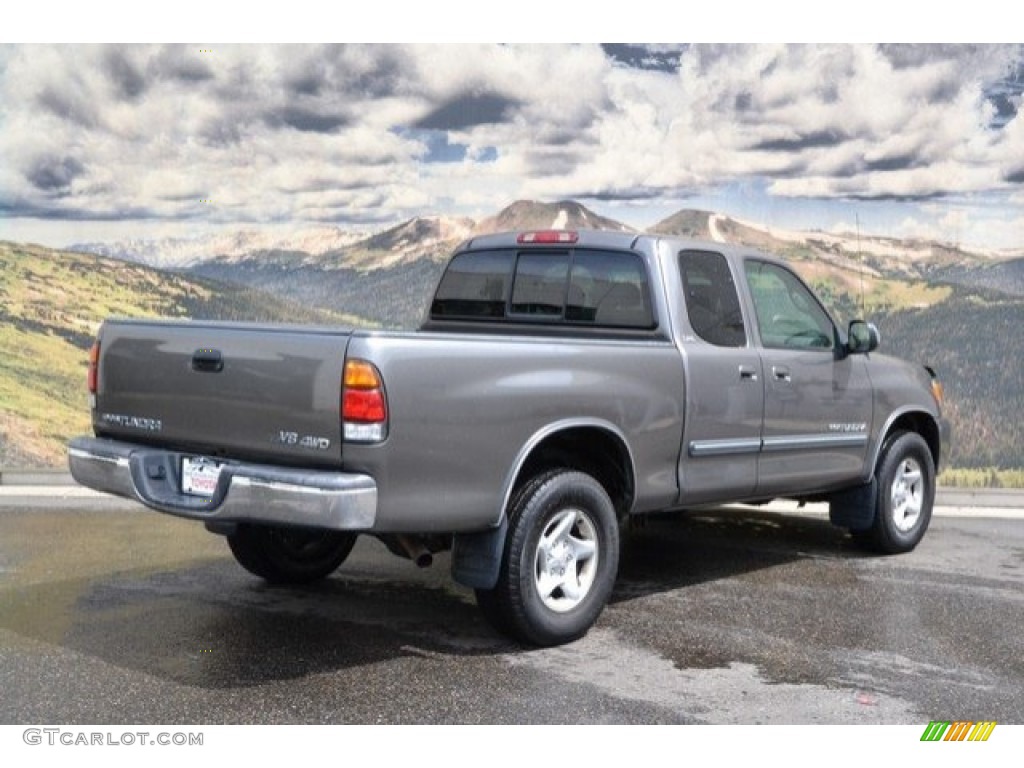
{"x": 748, "y": 373}
{"x": 780, "y": 372}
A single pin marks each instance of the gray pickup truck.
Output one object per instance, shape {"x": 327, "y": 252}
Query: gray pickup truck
{"x": 561, "y": 382}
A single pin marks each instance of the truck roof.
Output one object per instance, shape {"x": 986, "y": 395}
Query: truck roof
{"x": 605, "y": 239}
{"x": 584, "y": 238}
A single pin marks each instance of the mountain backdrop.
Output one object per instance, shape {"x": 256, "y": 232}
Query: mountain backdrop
{"x": 956, "y": 310}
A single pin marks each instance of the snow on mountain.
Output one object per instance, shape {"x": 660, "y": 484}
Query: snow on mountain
{"x": 529, "y": 214}
{"x": 175, "y": 253}
{"x": 847, "y": 250}
{"x": 430, "y": 237}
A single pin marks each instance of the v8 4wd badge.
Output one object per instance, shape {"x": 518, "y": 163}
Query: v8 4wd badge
{"x": 312, "y": 442}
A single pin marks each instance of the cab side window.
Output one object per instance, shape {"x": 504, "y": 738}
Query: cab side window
{"x": 788, "y": 315}
{"x": 712, "y": 304}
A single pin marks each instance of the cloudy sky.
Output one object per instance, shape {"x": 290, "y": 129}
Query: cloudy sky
{"x": 106, "y": 142}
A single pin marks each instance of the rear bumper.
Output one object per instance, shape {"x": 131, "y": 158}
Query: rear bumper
{"x": 246, "y": 493}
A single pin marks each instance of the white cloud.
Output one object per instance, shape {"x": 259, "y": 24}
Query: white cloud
{"x": 961, "y": 224}
{"x": 342, "y": 132}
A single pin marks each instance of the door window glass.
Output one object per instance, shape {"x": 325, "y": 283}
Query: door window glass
{"x": 712, "y": 303}
{"x": 788, "y": 315}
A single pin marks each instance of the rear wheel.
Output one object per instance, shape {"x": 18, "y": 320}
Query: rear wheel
{"x": 560, "y": 560}
{"x": 906, "y": 493}
{"x": 283, "y": 555}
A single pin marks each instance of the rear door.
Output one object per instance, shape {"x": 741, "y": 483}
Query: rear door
{"x": 725, "y": 389}
{"x": 818, "y": 402}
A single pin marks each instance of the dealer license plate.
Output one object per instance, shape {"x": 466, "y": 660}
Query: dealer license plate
{"x": 199, "y": 476}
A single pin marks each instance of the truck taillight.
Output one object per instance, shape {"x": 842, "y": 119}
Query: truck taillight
{"x": 94, "y": 367}
{"x": 938, "y": 391}
{"x": 364, "y": 406}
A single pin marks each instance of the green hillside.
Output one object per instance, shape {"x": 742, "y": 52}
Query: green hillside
{"x": 975, "y": 344}
{"x": 52, "y": 303}
{"x": 395, "y": 297}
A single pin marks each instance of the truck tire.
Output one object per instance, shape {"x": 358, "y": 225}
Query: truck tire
{"x": 906, "y": 493}
{"x": 284, "y": 555}
{"x": 560, "y": 560}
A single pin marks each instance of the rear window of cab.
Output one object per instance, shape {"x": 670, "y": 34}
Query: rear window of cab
{"x": 573, "y": 287}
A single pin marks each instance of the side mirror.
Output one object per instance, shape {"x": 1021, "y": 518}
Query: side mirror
{"x": 862, "y": 338}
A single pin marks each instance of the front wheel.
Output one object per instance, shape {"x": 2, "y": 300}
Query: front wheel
{"x": 283, "y": 555}
{"x": 906, "y": 493}
{"x": 559, "y": 563}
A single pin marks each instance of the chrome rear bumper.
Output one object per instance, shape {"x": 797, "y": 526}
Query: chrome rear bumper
{"x": 245, "y": 493}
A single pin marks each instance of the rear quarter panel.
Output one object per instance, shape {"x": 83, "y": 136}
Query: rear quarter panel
{"x": 463, "y": 408}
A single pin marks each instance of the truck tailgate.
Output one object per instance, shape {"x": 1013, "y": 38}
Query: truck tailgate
{"x": 265, "y": 393}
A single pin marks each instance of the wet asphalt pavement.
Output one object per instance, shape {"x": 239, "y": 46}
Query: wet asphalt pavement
{"x": 112, "y": 615}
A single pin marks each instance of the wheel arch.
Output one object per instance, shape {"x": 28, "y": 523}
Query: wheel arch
{"x": 593, "y": 446}
{"x": 909, "y": 420}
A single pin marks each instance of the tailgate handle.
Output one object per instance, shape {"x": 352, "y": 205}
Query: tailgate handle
{"x": 207, "y": 360}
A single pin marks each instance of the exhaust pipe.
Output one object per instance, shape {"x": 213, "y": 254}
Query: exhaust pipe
{"x": 418, "y": 553}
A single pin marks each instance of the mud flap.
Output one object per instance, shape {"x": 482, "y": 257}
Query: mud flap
{"x": 476, "y": 557}
{"x": 854, "y": 508}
